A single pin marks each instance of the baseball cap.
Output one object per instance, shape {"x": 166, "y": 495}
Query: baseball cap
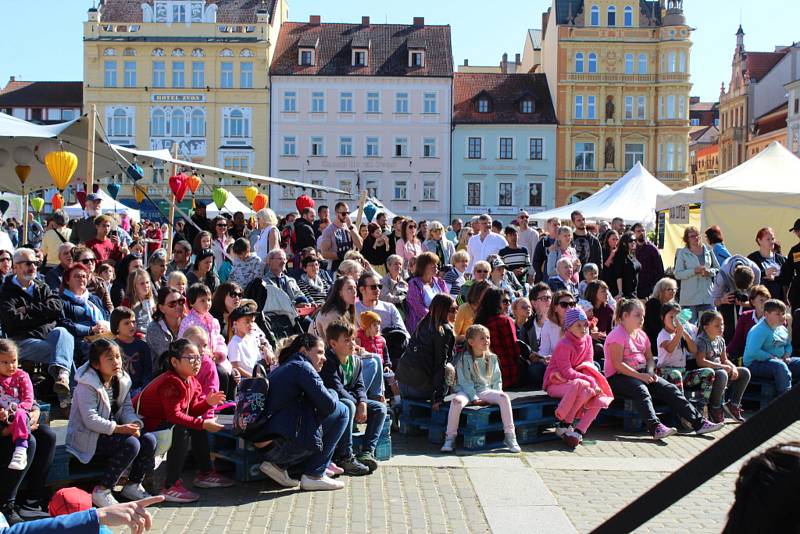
{"x": 93, "y": 197}
{"x": 796, "y": 226}
{"x": 68, "y": 501}
{"x": 498, "y": 262}
{"x": 245, "y": 310}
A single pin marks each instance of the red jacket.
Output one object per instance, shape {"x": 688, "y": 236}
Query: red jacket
{"x": 503, "y": 342}
{"x": 375, "y": 345}
{"x": 171, "y": 399}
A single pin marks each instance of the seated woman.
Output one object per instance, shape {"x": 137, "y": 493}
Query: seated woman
{"x": 376, "y": 249}
{"x": 465, "y": 316}
{"x": 227, "y": 298}
{"x": 83, "y": 313}
{"x": 163, "y": 329}
{"x": 129, "y": 263}
{"x": 394, "y": 287}
{"x": 630, "y": 369}
{"x": 83, "y": 255}
{"x": 102, "y": 423}
{"x": 306, "y": 420}
{"x": 553, "y": 328}
{"x": 340, "y": 305}
{"x": 157, "y": 268}
{"x": 422, "y": 288}
{"x": 663, "y": 293}
{"x": 313, "y": 285}
{"x": 203, "y": 270}
{"x": 503, "y": 334}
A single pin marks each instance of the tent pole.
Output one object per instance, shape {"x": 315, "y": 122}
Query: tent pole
{"x": 170, "y": 222}
{"x": 90, "y": 150}
{"x": 24, "y": 222}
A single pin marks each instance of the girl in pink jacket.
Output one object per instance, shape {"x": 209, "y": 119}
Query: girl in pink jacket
{"x": 572, "y": 377}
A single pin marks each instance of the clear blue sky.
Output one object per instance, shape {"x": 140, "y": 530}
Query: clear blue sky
{"x": 41, "y": 39}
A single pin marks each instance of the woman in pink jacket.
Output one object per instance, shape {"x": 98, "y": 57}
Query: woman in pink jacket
{"x": 572, "y": 377}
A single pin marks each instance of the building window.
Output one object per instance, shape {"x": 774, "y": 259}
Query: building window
{"x": 246, "y": 75}
{"x": 536, "y": 148}
{"x": 584, "y": 156}
{"x": 373, "y": 147}
{"x": 505, "y": 194}
{"x": 429, "y": 190}
{"x": 473, "y": 194}
{"x": 236, "y": 125}
{"x": 595, "y": 16}
{"x": 359, "y": 58}
{"x": 628, "y": 108}
{"x": 316, "y": 193}
{"x": 158, "y": 123}
{"x": 289, "y": 102}
{"x": 628, "y": 63}
{"x": 416, "y": 59}
{"x": 289, "y": 146}
{"x": 578, "y": 107}
{"x": 400, "y": 190}
{"x": 318, "y": 102}
{"x": 579, "y": 62}
{"x": 474, "y": 146}
{"x": 590, "y": 108}
{"x": 178, "y": 80}
{"x": 682, "y": 62}
{"x": 306, "y": 57}
{"x": 198, "y": 74}
{"x": 429, "y": 147}
{"x": 372, "y": 188}
{"x": 346, "y": 146}
{"x": 401, "y": 147}
{"x": 671, "y": 106}
{"x": 198, "y": 123}
{"x": 159, "y": 74}
{"x": 671, "y": 64}
{"x": 628, "y": 20}
{"x": 401, "y": 103}
{"x": 178, "y": 13}
{"x": 483, "y": 105}
{"x": 178, "y": 126}
{"x": 506, "y": 148}
{"x": 592, "y": 63}
{"x": 198, "y": 52}
{"x": 120, "y": 124}
{"x": 695, "y": 122}
{"x": 345, "y": 102}
{"x": 373, "y": 102}
{"x": 109, "y": 52}
{"x": 110, "y": 77}
{"x": 612, "y": 16}
{"x": 526, "y": 106}
{"x": 642, "y": 63}
{"x": 236, "y": 163}
{"x": 429, "y": 103}
{"x": 634, "y": 152}
{"x": 681, "y": 107}
{"x": 130, "y": 74}
{"x": 317, "y": 146}
{"x": 535, "y": 190}
{"x": 226, "y": 75}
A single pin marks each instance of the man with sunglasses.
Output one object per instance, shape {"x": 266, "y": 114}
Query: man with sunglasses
{"x": 369, "y": 289}
{"x": 181, "y": 258}
{"x": 340, "y": 236}
{"x": 29, "y": 313}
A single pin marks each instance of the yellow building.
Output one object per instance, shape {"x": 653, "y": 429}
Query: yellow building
{"x": 618, "y": 72}
{"x": 191, "y": 73}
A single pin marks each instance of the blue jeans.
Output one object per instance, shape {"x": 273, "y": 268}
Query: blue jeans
{"x": 376, "y": 415}
{"x": 333, "y": 427}
{"x": 372, "y": 374}
{"x": 56, "y": 350}
{"x": 410, "y": 392}
{"x": 779, "y": 371}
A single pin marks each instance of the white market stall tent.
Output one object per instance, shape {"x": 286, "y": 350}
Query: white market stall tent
{"x": 108, "y": 205}
{"x": 632, "y": 197}
{"x": 762, "y": 191}
{"x": 232, "y": 205}
{"x": 372, "y": 206}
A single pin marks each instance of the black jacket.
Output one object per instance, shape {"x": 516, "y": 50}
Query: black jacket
{"x": 27, "y": 316}
{"x": 422, "y": 365}
{"x": 540, "y": 258}
{"x": 304, "y": 234}
{"x": 588, "y": 249}
{"x": 333, "y": 378}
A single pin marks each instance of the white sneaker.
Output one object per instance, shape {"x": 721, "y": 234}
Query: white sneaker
{"x": 19, "y": 460}
{"x": 134, "y": 492}
{"x": 320, "y": 484}
{"x": 278, "y": 475}
{"x": 561, "y": 430}
{"x": 102, "y": 497}
{"x": 449, "y": 444}
{"x": 510, "y": 442}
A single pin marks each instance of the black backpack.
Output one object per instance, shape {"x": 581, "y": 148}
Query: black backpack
{"x": 250, "y": 416}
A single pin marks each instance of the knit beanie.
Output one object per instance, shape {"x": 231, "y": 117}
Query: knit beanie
{"x": 369, "y": 318}
{"x": 573, "y": 316}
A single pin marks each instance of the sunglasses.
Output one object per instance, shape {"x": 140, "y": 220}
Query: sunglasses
{"x": 454, "y": 309}
{"x": 567, "y": 304}
{"x": 28, "y": 263}
{"x": 5, "y": 258}
{"x": 341, "y": 213}
{"x": 481, "y": 271}
{"x": 87, "y": 261}
{"x": 222, "y": 225}
{"x": 374, "y": 286}
{"x": 506, "y": 301}
{"x": 235, "y": 294}
{"x": 175, "y": 303}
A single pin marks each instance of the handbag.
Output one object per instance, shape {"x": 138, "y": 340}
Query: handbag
{"x": 250, "y": 415}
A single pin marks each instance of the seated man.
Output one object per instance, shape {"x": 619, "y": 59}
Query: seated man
{"x": 563, "y": 278}
{"x": 181, "y": 258}
{"x": 28, "y": 313}
{"x": 55, "y": 276}
{"x": 275, "y": 275}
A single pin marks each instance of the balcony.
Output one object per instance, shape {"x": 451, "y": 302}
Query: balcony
{"x": 610, "y": 77}
{"x": 673, "y": 77}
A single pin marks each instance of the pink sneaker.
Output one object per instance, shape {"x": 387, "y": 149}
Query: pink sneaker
{"x": 335, "y": 469}
{"x": 212, "y": 479}
{"x": 662, "y": 431}
{"x": 179, "y": 493}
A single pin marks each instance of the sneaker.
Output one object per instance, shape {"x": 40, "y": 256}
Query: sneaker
{"x": 33, "y": 509}
{"x": 368, "y": 459}
{"x": 11, "y": 514}
{"x": 102, "y": 497}
{"x": 449, "y": 444}
{"x": 353, "y": 467}
{"x": 716, "y": 415}
{"x": 736, "y": 412}
{"x": 179, "y": 493}
{"x": 134, "y": 492}
{"x": 19, "y": 460}
{"x": 320, "y": 484}
{"x": 335, "y": 469}
{"x": 212, "y": 479}
{"x": 278, "y": 475}
{"x": 510, "y": 442}
{"x": 563, "y": 429}
{"x": 662, "y": 431}
{"x": 707, "y": 427}
{"x": 572, "y": 439}
{"x": 61, "y": 384}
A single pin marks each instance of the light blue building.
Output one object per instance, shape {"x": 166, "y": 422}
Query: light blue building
{"x": 504, "y": 145}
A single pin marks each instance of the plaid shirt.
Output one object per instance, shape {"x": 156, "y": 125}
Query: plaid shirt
{"x": 504, "y": 344}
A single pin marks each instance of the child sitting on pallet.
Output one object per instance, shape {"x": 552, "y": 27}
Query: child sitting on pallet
{"x": 572, "y": 377}
{"x": 342, "y": 372}
{"x": 371, "y": 340}
{"x": 768, "y": 350}
{"x": 480, "y": 383}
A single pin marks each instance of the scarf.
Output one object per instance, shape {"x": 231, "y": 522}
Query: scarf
{"x": 91, "y": 309}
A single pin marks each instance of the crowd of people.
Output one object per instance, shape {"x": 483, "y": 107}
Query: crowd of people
{"x": 142, "y": 347}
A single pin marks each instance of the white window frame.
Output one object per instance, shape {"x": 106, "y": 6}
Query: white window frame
{"x": 416, "y": 58}
{"x": 641, "y": 107}
{"x": 531, "y": 154}
{"x": 246, "y": 74}
{"x": 198, "y": 74}
{"x": 595, "y": 16}
{"x": 502, "y": 190}
{"x": 584, "y": 165}
{"x": 305, "y": 57}
{"x": 159, "y": 74}
{"x": 402, "y": 143}
{"x": 346, "y": 146}
{"x": 430, "y": 189}
{"x": 430, "y": 103}
{"x": 359, "y": 57}
{"x": 289, "y": 102}
{"x": 110, "y": 73}
{"x": 629, "y": 108}
{"x": 178, "y": 74}
{"x": 318, "y": 102}
{"x": 628, "y": 17}
{"x": 611, "y": 12}
{"x": 579, "y": 62}
{"x": 226, "y": 75}
{"x": 467, "y": 193}
{"x": 346, "y": 102}
{"x": 578, "y": 109}
{"x": 632, "y": 155}
{"x": 643, "y": 62}
{"x": 671, "y": 101}
{"x": 500, "y": 141}
{"x": 400, "y": 189}
{"x": 429, "y": 147}
{"x": 372, "y": 147}
{"x": 401, "y": 106}
{"x": 591, "y": 107}
{"x": 316, "y": 146}
{"x": 592, "y": 63}
{"x": 129, "y": 74}
{"x": 629, "y": 64}
{"x": 540, "y": 186}
{"x": 373, "y": 102}
{"x": 289, "y": 148}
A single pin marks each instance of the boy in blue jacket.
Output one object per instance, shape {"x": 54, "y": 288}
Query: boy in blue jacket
{"x": 768, "y": 350}
{"x": 342, "y": 373}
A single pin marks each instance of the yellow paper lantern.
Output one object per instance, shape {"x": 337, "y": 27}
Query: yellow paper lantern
{"x": 61, "y": 165}
{"x": 139, "y": 192}
{"x": 250, "y": 193}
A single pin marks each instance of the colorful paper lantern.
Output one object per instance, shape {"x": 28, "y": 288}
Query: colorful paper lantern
{"x": 370, "y": 210}
{"x": 4, "y": 205}
{"x": 135, "y": 172}
{"x": 23, "y": 155}
{"x": 303, "y": 202}
{"x": 260, "y": 202}
{"x": 139, "y": 193}
{"x": 113, "y": 190}
{"x": 179, "y": 186}
{"x": 194, "y": 183}
{"x": 219, "y": 196}
{"x": 61, "y": 165}
{"x": 57, "y": 201}
{"x": 250, "y": 193}
{"x": 23, "y": 171}
{"x": 4, "y": 156}
{"x": 81, "y": 196}
{"x": 37, "y": 203}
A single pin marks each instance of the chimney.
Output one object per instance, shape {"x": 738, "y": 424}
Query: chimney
{"x": 466, "y": 64}
{"x": 518, "y": 59}
{"x": 504, "y": 64}
{"x": 12, "y": 79}
{"x": 365, "y": 22}
{"x": 419, "y": 22}
{"x": 694, "y": 100}
{"x": 314, "y": 20}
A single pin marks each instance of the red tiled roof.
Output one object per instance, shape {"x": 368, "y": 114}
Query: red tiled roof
{"x": 45, "y": 94}
{"x": 505, "y": 92}
{"x": 388, "y": 49}
{"x": 229, "y": 11}
{"x": 707, "y": 150}
{"x": 772, "y": 120}
{"x": 760, "y": 63}
{"x": 704, "y": 106}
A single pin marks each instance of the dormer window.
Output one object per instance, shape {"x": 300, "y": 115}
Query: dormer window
{"x": 483, "y": 105}
{"x": 306, "y": 57}
{"x": 526, "y": 106}
{"x": 416, "y": 58}
{"x": 359, "y": 57}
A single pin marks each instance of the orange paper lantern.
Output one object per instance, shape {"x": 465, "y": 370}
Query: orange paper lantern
{"x": 260, "y": 201}
{"x": 57, "y": 201}
{"x": 139, "y": 192}
{"x": 194, "y": 183}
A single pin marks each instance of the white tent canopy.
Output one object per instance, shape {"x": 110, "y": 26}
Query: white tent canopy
{"x": 632, "y": 197}
{"x": 232, "y": 205}
{"x": 379, "y": 207}
{"x": 108, "y": 205}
